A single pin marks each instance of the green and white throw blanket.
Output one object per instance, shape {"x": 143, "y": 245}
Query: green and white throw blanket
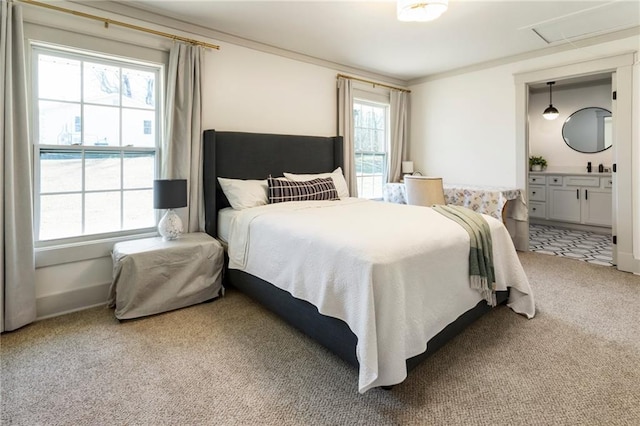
{"x": 481, "y": 273}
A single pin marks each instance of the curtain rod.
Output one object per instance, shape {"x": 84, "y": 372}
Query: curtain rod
{"x": 373, "y": 83}
{"x": 108, "y": 21}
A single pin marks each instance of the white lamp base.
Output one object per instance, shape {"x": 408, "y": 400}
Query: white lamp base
{"x": 170, "y": 226}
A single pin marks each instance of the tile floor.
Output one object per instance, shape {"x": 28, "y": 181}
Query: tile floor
{"x": 581, "y": 245}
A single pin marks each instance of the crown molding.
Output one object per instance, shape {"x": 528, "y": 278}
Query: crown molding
{"x": 586, "y": 42}
{"x": 122, "y": 8}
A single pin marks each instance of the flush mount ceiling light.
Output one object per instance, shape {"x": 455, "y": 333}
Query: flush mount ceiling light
{"x": 421, "y": 11}
{"x": 551, "y": 113}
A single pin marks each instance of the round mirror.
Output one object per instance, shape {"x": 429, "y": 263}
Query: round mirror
{"x": 588, "y": 130}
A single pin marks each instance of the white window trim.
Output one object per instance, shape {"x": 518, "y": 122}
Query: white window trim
{"x": 86, "y": 250}
{"x": 66, "y": 250}
{"x": 379, "y": 100}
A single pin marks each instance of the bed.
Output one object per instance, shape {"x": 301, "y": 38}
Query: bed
{"x": 372, "y": 341}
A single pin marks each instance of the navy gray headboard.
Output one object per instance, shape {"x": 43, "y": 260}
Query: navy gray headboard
{"x": 240, "y": 155}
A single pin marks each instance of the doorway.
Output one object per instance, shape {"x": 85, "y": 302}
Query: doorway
{"x": 624, "y": 200}
{"x": 577, "y": 156}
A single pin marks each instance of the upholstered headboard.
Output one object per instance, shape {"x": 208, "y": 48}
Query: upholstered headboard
{"x": 240, "y": 155}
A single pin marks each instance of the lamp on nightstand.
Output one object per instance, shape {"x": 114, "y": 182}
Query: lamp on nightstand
{"x": 407, "y": 168}
{"x": 170, "y": 194}
{"x": 424, "y": 191}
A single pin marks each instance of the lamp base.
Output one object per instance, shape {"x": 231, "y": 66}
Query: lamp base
{"x": 170, "y": 226}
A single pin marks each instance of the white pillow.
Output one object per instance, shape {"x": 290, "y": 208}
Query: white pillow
{"x": 243, "y": 194}
{"x": 338, "y": 180}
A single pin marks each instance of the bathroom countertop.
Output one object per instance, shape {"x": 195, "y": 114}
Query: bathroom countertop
{"x": 569, "y": 173}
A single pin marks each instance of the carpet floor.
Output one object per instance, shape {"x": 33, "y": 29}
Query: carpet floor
{"x": 230, "y": 362}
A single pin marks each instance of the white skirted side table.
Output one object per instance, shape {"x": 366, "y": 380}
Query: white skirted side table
{"x": 151, "y": 275}
{"x": 503, "y": 203}
{"x": 499, "y": 202}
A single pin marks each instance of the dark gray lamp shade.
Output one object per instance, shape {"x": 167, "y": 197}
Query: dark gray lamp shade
{"x": 169, "y": 193}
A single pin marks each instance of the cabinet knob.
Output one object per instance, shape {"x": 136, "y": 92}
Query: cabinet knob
{"x": 534, "y": 192}
{"x": 534, "y": 209}
{"x": 555, "y": 180}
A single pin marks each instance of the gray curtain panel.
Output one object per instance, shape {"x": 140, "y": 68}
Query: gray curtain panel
{"x": 182, "y": 146}
{"x": 17, "y": 260}
{"x": 345, "y": 129}
{"x": 399, "y": 133}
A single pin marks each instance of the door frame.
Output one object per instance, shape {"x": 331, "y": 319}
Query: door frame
{"x": 621, "y": 68}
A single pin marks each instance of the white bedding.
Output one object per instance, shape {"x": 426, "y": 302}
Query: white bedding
{"x": 225, "y": 218}
{"x": 396, "y": 274}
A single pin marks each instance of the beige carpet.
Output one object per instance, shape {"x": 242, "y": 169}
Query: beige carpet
{"x": 230, "y": 362}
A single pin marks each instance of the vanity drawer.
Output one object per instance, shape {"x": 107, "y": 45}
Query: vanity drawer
{"x": 607, "y": 182}
{"x": 582, "y": 181}
{"x": 537, "y": 209}
{"x": 554, "y": 180}
{"x": 537, "y": 193}
{"x": 538, "y": 180}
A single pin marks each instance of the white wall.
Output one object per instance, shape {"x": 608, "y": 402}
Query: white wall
{"x": 448, "y": 125}
{"x": 463, "y": 126}
{"x": 635, "y": 162}
{"x": 247, "y": 90}
{"x": 244, "y": 90}
{"x": 545, "y": 136}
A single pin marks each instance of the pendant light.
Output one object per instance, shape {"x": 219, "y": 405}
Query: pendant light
{"x": 551, "y": 113}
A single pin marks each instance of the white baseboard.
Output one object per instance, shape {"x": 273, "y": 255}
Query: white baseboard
{"x": 628, "y": 263}
{"x": 71, "y": 301}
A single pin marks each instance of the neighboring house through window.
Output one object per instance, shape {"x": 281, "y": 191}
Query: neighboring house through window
{"x": 96, "y": 138}
{"x": 371, "y": 146}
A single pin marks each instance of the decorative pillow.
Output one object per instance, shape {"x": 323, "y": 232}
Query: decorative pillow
{"x": 337, "y": 176}
{"x": 243, "y": 194}
{"x": 281, "y": 190}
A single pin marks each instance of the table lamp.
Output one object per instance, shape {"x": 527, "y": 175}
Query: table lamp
{"x": 169, "y": 194}
{"x": 407, "y": 168}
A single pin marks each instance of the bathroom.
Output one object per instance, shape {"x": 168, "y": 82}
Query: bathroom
{"x": 570, "y": 200}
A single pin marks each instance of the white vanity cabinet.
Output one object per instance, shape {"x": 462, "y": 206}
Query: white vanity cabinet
{"x": 537, "y": 196}
{"x": 583, "y": 199}
{"x": 564, "y": 204}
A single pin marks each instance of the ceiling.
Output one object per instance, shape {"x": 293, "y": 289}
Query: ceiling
{"x": 367, "y": 36}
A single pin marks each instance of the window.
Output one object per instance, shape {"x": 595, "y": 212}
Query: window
{"x": 371, "y": 146}
{"x": 96, "y": 136}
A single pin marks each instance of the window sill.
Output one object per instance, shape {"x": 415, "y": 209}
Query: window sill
{"x": 86, "y": 250}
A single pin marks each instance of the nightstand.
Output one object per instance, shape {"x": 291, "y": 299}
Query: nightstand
{"x": 151, "y": 276}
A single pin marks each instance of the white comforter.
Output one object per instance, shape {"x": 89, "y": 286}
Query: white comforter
{"x": 396, "y": 274}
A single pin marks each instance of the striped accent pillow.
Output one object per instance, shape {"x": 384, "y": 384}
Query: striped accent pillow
{"x": 282, "y": 190}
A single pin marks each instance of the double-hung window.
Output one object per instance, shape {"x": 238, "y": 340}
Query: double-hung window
{"x": 96, "y": 138}
{"x": 371, "y": 146}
